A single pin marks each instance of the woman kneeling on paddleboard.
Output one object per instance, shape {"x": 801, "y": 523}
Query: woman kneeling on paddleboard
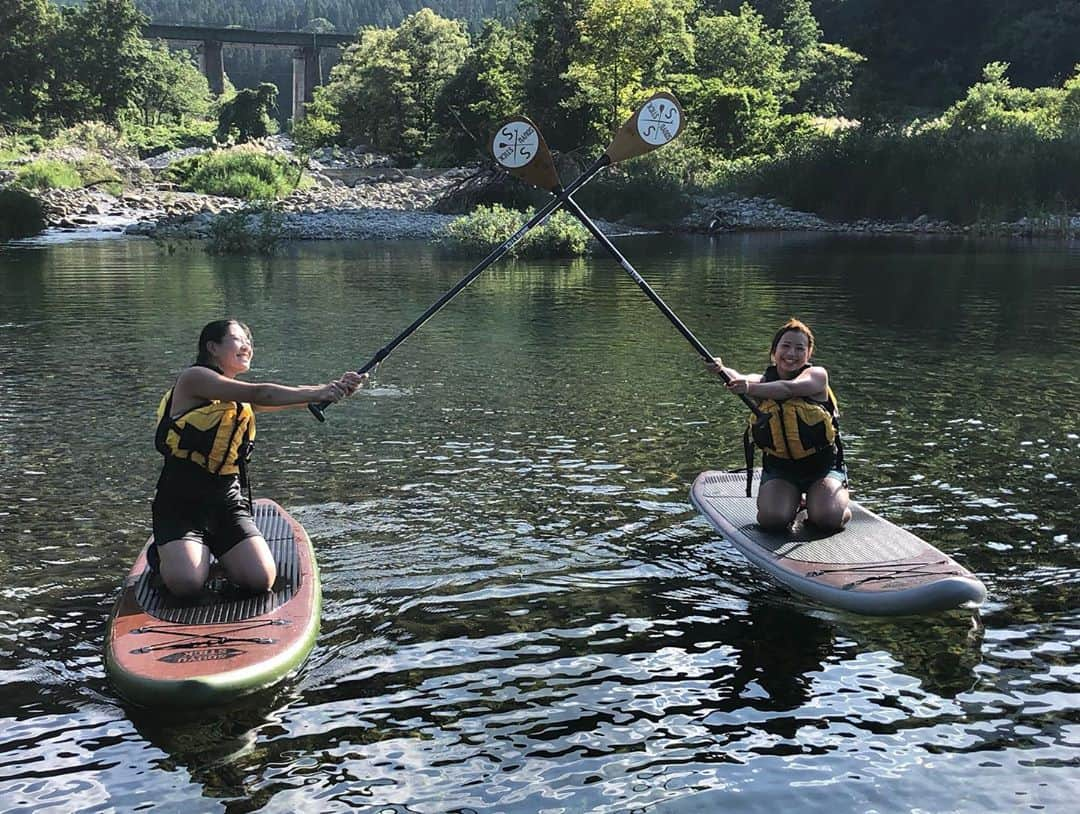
{"x": 799, "y": 434}
{"x": 206, "y": 427}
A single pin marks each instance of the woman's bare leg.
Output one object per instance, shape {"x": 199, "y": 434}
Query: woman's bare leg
{"x": 777, "y": 503}
{"x": 250, "y": 565}
{"x": 827, "y": 504}
{"x": 184, "y": 566}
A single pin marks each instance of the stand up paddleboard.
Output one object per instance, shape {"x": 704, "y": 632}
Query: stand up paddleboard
{"x": 871, "y": 567}
{"x": 223, "y": 643}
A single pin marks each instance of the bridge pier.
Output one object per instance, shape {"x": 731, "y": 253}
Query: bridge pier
{"x": 307, "y": 74}
{"x": 212, "y": 65}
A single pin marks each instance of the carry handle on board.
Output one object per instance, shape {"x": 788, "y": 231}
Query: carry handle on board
{"x": 652, "y": 125}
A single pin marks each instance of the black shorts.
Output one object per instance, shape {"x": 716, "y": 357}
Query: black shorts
{"x": 805, "y": 473}
{"x": 206, "y": 509}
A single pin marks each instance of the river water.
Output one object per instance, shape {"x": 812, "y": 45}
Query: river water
{"x": 523, "y": 612}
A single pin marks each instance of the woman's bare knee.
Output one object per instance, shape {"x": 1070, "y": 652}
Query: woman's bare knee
{"x": 832, "y": 518}
{"x": 250, "y": 565}
{"x": 183, "y": 583}
{"x": 184, "y": 566}
{"x": 777, "y": 503}
{"x": 774, "y": 520}
{"x": 827, "y": 506}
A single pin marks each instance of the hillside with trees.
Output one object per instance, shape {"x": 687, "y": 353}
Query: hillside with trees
{"x": 845, "y": 108}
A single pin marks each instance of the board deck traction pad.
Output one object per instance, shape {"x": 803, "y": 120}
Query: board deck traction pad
{"x": 223, "y": 603}
{"x": 871, "y": 557}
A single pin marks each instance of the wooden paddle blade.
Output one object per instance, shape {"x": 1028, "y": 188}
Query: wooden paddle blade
{"x": 520, "y": 149}
{"x": 656, "y": 122}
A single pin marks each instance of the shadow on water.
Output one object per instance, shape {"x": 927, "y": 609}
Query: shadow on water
{"x": 221, "y": 749}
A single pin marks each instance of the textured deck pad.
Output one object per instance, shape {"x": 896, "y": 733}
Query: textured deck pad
{"x": 871, "y": 566}
{"x": 867, "y": 538}
{"x": 220, "y": 601}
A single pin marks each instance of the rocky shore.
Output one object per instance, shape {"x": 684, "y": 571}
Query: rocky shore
{"x": 357, "y": 195}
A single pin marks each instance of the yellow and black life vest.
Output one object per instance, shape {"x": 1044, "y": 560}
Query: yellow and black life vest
{"x": 217, "y": 436}
{"x": 794, "y": 429}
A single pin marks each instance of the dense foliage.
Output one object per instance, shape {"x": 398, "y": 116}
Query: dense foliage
{"x": 997, "y": 154}
{"x": 846, "y": 107}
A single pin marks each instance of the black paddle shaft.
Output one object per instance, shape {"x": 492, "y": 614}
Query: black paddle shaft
{"x": 673, "y": 318}
{"x": 562, "y": 197}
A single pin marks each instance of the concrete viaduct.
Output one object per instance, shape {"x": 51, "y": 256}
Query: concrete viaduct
{"x": 307, "y": 67}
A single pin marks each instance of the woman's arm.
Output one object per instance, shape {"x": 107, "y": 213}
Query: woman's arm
{"x": 812, "y": 383}
{"x": 716, "y": 365}
{"x": 199, "y": 384}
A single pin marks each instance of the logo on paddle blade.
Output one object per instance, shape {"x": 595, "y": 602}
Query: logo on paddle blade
{"x": 210, "y": 654}
{"x": 516, "y": 144}
{"x": 659, "y": 120}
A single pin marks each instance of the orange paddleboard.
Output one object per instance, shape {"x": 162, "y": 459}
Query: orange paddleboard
{"x": 223, "y": 643}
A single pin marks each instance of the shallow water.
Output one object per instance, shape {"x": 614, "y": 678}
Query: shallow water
{"x": 523, "y": 612}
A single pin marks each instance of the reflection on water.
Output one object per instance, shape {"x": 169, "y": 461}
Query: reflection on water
{"x": 522, "y": 611}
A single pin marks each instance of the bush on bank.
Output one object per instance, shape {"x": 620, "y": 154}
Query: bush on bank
{"x": 968, "y": 179}
{"x": 252, "y": 230}
{"x": 245, "y": 173}
{"x": 20, "y": 214}
{"x": 488, "y": 227}
{"x": 151, "y": 140}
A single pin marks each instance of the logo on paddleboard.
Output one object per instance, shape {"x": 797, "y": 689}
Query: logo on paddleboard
{"x": 659, "y": 121}
{"x": 516, "y": 144}
{"x": 209, "y": 654}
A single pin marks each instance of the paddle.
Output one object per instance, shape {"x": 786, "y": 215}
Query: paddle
{"x": 540, "y": 172}
{"x": 654, "y": 124}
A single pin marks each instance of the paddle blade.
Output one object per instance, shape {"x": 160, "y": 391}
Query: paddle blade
{"x": 521, "y": 150}
{"x": 655, "y": 123}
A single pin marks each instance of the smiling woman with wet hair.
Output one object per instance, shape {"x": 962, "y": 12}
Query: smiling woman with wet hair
{"x": 802, "y": 453}
{"x": 206, "y": 428}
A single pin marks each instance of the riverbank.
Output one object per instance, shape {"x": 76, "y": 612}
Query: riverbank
{"x": 355, "y": 195}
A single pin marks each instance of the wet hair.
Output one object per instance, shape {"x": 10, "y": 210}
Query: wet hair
{"x": 214, "y": 332}
{"x": 794, "y": 325}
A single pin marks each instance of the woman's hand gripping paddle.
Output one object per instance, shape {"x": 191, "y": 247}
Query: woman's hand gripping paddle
{"x": 653, "y": 125}
{"x": 657, "y": 122}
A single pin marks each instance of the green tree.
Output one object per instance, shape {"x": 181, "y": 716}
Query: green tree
{"x": 385, "y": 89}
{"x": 487, "y": 89}
{"x": 26, "y": 29}
{"x": 994, "y": 105}
{"x": 799, "y": 31}
{"x": 827, "y": 90}
{"x": 734, "y": 98}
{"x": 552, "y": 97}
{"x": 100, "y": 56}
{"x": 627, "y": 47}
{"x": 246, "y": 115}
{"x": 741, "y": 51}
{"x": 1070, "y": 104}
{"x": 170, "y": 87}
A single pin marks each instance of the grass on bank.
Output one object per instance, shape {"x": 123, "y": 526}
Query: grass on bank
{"x": 49, "y": 173}
{"x": 487, "y": 227}
{"x": 242, "y": 172}
{"x": 970, "y": 178}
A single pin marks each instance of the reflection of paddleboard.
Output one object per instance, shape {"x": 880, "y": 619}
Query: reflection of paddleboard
{"x": 222, "y": 643}
{"x": 870, "y": 567}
